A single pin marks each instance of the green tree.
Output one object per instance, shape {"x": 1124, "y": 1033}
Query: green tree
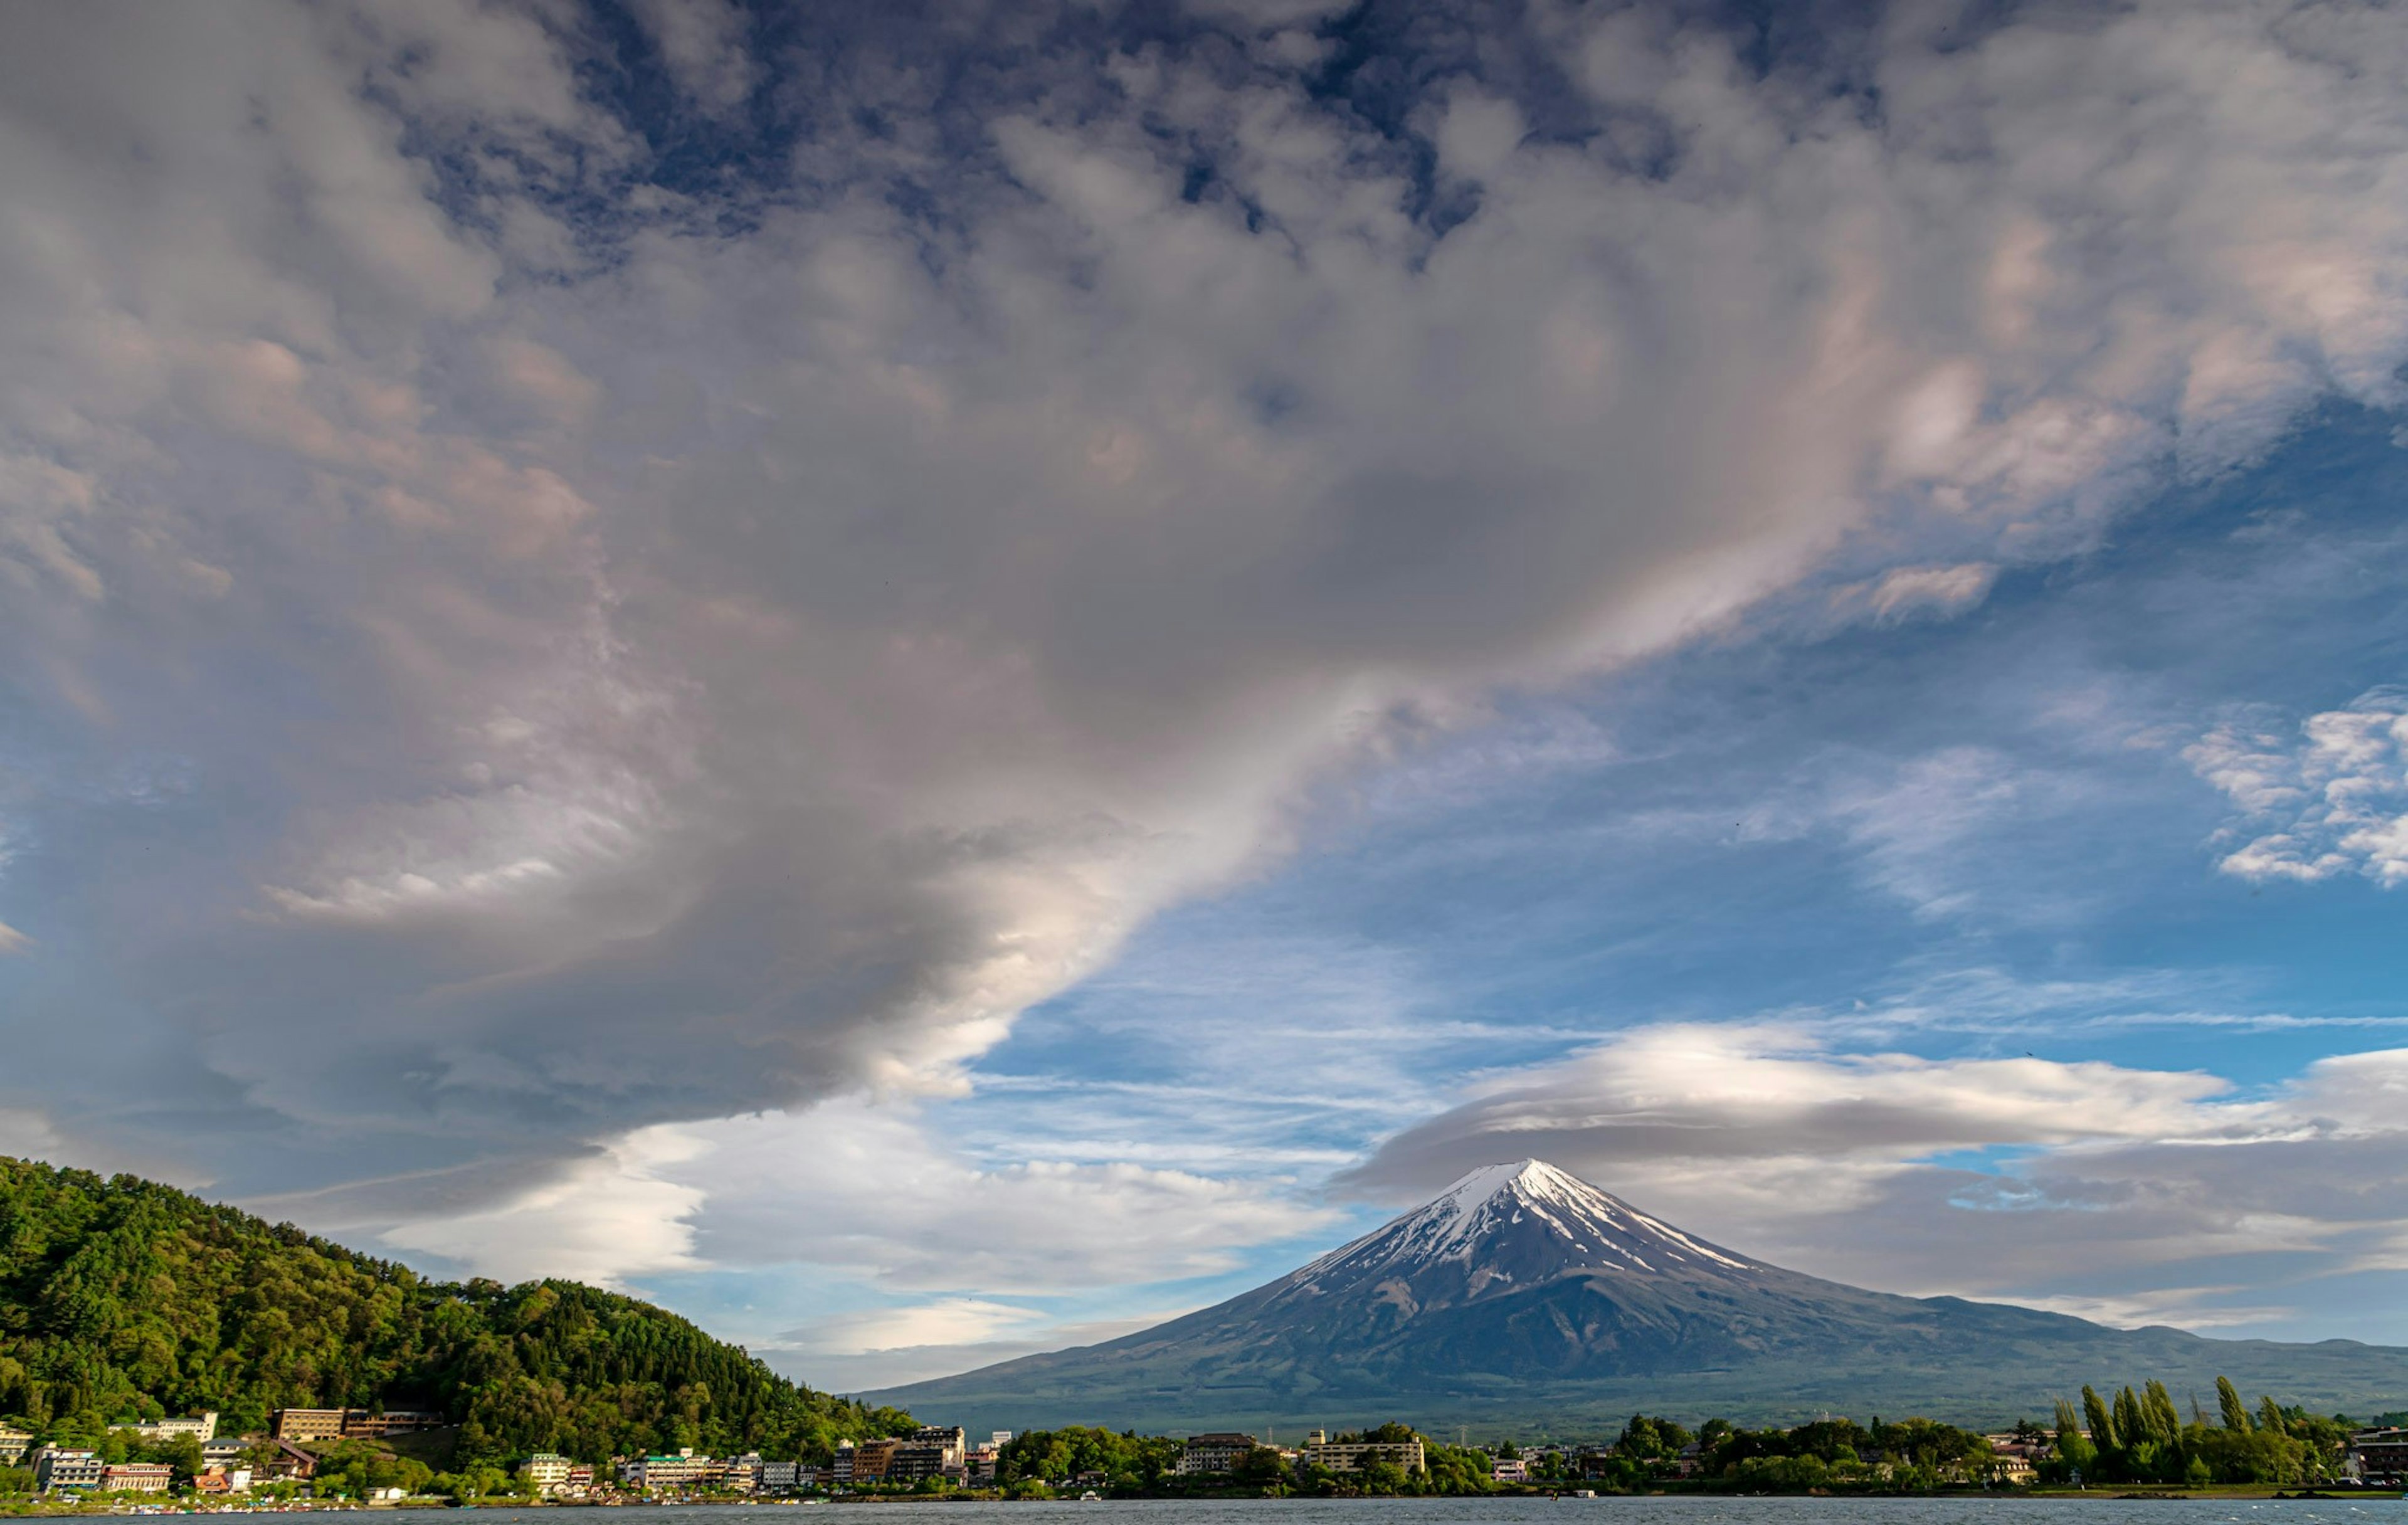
{"x": 2102, "y": 1424}
{"x": 2227, "y": 1401}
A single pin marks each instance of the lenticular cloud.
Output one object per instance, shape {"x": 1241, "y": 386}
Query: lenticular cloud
{"x": 645, "y": 603}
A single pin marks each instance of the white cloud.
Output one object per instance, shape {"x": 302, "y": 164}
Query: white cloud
{"x": 2336, "y": 800}
{"x": 606, "y": 1219}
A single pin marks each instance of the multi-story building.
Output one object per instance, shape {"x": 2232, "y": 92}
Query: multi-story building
{"x": 546, "y": 1470}
{"x": 870, "y": 1460}
{"x": 779, "y": 1476}
{"x": 301, "y": 1424}
{"x": 226, "y": 1451}
{"x": 840, "y": 1469}
{"x": 393, "y": 1421}
{"x": 2380, "y": 1453}
{"x": 1510, "y": 1469}
{"x": 14, "y": 1443}
{"x": 683, "y": 1469}
{"x": 136, "y": 1478}
{"x": 742, "y": 1474}
{"x": 914, "y": 1459}
{"x": 1217, "y": 1452}
{"x": 946, "y": 1437}
{"x": 978, "y": 1468}
{"x": 201, "y": 1427}
{"x": 1350, "y": 1456}
{"x": 307, "y": 1424}
{"x": 56, "y": 1470}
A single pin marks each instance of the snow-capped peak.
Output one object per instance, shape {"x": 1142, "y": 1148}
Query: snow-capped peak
{"x": 1583, "y": 1227}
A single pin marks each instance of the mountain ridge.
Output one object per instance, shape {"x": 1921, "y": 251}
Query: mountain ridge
{"x": 1522, "y": 1294}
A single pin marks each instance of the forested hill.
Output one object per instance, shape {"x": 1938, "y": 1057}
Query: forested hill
{"x": 121, "y": 1297}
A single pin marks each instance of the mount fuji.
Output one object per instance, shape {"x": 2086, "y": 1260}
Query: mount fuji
{"x": 1523, "y": 1296}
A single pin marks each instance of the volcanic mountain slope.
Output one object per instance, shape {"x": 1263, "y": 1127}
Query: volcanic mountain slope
{"x": 1524, "y": 1295}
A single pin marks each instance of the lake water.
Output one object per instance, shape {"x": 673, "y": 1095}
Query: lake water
{"x": 1691, "y": 1510}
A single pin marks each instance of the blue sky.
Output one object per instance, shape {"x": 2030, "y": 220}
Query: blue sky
{"x": 935, "y": 680}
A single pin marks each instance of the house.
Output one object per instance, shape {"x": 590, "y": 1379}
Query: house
{"x": 224, "y": 1452}
{"x": 14, "y": 1443}
{"x": 1216, "y": 1453}
{"x": 219, "y": 1480}
{"x": 1508, "y": 1469}
{"x": 136, "y": 1478}
{"x": 292, "y": 1463}
{"x": 56, "y": 1470}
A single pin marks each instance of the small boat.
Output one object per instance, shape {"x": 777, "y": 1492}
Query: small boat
{"x": 1091, "y": 1496}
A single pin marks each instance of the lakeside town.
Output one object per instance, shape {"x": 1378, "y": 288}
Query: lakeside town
{"x": 353, "y": 1457}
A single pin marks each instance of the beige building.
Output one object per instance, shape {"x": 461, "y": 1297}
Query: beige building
{"x": 1350, "y": 1456}
{"x": 138, "y": 1477}
{"x": 305, "y": 1424}
{"x": 14, "y": 1443}
{"x": 546, "y": 1470}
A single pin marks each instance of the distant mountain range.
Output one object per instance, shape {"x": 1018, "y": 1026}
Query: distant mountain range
{"x": 1525, "y": 1297}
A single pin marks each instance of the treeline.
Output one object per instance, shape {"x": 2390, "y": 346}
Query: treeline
{"x": 1038, "y": 1463}
{"x": 2142, "y": 1438}
{"x": 121, "y": 1299}
{"x": 1909, "y": 1453}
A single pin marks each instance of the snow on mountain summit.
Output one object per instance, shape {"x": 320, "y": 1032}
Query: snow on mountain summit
{"x": 1513, "y": 1222}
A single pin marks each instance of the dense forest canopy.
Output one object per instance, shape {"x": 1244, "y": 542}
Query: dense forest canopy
{"x": 121, "y": 1298}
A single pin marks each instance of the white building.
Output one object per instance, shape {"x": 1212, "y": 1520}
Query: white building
{"x": 201, "y": 1427}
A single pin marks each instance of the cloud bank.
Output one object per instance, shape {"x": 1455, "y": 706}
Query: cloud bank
{"x": 575, "y": 582}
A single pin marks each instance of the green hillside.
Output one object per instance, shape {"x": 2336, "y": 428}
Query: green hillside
{"x": 120, "y": 1297}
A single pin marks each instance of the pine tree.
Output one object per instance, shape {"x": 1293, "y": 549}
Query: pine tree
{"x": 2228, "y": 1398}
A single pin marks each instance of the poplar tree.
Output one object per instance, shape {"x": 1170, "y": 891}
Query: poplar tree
{"x": 2164, "y": 1420}
{"x": 2228, "y": 1398}
{"x": 2270, "y": 1416}
{"x": 2102, "y": 1429}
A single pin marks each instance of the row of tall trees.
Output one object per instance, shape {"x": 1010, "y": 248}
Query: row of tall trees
{"x": 2141, "y": 1437}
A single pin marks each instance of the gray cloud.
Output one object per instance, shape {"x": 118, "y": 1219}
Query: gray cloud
{"x": 576, "y": 647}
